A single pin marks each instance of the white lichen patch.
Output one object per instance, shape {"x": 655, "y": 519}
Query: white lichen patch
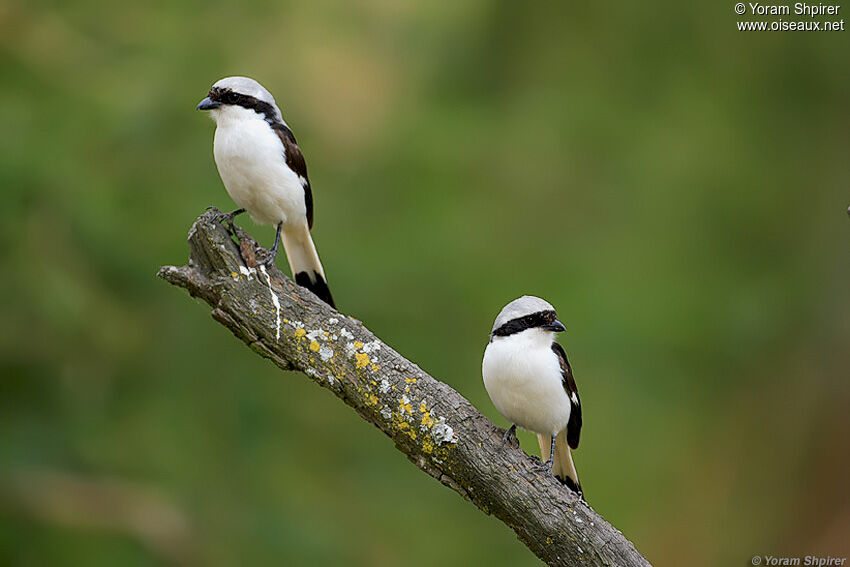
{"x": 373, "y": 346}
{"x": 443, "y": 432}
{"x": 385, "y": 386}
{"x": 333, "y": 321}
{"x": 326, "y": 353}
{"x": 344, "y": 333}
{"x": 386, "y": 413}
{"x": 311, "y": 372}
{"x": 331, "y": 380}
{"x": 317, "y": 335}
{"x": 350, "y": 349}
{"x": 296, "y": 324}
{"x": 275, "y": 300}
{"x": 247, "y": 272}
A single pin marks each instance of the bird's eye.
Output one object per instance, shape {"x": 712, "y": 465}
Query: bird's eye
{"x": 232, "y": 98}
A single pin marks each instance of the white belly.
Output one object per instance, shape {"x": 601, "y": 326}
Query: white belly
{"x": 250, "y": 159}
{"x": 524, "y": 382}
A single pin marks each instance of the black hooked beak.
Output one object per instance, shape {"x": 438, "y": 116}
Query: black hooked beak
{"x": 555, "y": 326}
{"x": 208, "y": 104}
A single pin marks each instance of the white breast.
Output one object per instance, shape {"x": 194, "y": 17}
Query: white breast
{"x": 251, "y": 161}
{"x": 522, "y": 375}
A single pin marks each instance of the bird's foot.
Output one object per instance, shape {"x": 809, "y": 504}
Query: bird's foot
{"x": 268, "y": 261}
{"x": 510, "y": 437}
{"x": 226, "y": 217}
{"x": 544, "y": 466}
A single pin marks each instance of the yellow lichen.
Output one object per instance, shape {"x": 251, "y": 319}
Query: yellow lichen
{"x": 427, "y": 445}
{"x": 406, "y": 406}
{"x": 375, "y": 368}
{"x": 358, "y": 344}
{"x": 372, "y": 400}
{"x": 410, "y": 380}
{"x": 404, "y": 426}
{"x": 314, "y": 346}
{"x": 300, "y": 333}
{"x": 423, "y": 407}
{"x": 362, "y": 359}
{"x": 427, "y": 420}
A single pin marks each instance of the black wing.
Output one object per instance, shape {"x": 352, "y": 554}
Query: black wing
{"x": 295, "y": 161}
{"x": 574, "y": 425}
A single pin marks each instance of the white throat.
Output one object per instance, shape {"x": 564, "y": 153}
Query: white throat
{"x": 534, "y": 337}
{"x": 234, "y": 116}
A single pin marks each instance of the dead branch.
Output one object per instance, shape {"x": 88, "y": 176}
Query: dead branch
{"x": 429, "y": 422}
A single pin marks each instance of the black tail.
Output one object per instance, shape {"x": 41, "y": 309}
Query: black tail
{"x": 317, "y": 285}
{"x": 304, "y": 262}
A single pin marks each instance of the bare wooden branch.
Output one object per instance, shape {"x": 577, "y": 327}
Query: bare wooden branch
{"x": 433, "y": 425}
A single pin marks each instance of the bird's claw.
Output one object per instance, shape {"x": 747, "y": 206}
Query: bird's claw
{"x": 228, "y": 217}
{"x": 510, "y": 438}
{"x": 268, "y": 261}
{"x": 544, "y": 466}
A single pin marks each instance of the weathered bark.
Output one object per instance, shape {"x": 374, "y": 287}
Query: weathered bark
{"x": 433, "y": 425}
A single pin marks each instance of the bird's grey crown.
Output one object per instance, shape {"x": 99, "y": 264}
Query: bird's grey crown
{"x": 525, "y": 305}
{"x": 250, "y": 87}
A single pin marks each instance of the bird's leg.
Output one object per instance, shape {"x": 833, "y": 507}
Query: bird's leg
{"x": 273, "y": 252}
{"x": 510, "y": 437}
{"x": 547, "y": 466}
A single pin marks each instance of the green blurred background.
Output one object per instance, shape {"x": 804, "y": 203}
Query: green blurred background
{"x": 677, "y": 189}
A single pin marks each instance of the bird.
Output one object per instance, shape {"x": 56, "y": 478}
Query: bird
{"x": 264, "y": 172}
{"x": 528, "y": 377}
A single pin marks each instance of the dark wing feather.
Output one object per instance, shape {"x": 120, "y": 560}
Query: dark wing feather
{"x": 574, "y": 425}
{"x": 295, "y": 161}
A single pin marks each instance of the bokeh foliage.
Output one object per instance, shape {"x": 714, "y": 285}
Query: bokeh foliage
{"x": 676, "y": 188}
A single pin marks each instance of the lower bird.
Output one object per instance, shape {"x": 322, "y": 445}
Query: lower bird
{"x": 529, "y": 380}
{"x": 264, "y": 172}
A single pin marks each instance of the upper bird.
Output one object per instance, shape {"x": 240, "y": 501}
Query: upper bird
{"x": 265, "y": 173}
{"x": 528, "y": 377}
